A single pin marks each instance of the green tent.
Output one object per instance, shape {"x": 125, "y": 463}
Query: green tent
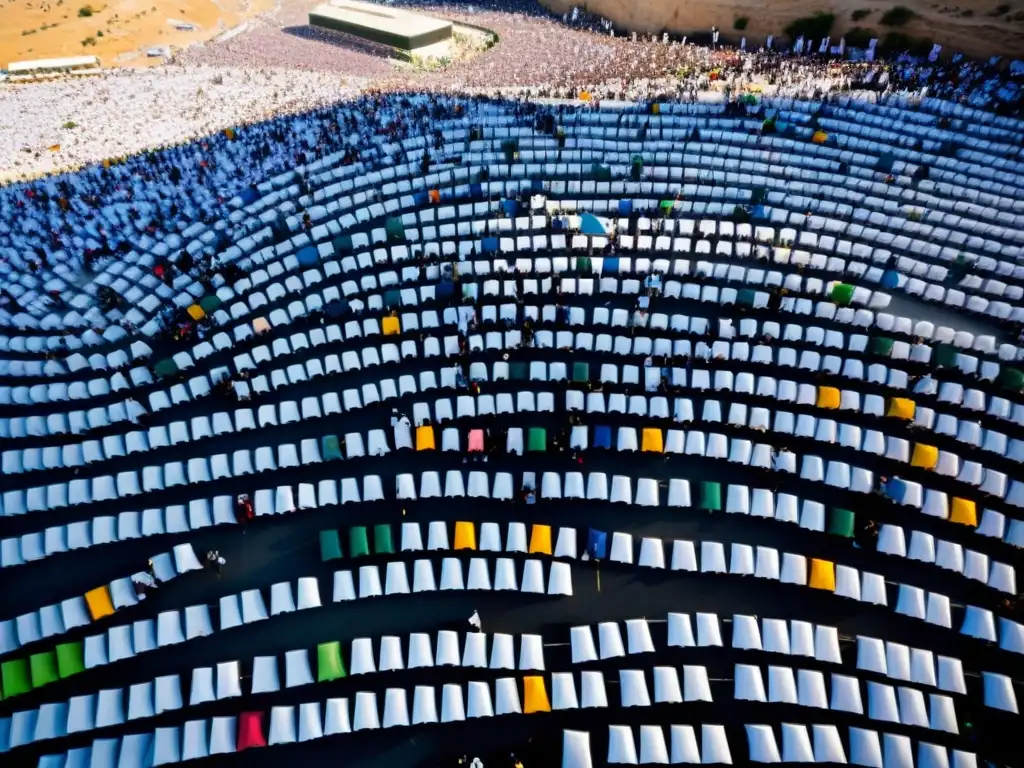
{"x": 393, "y": 298}
{"x": 329, "y": 665}
{"x": 509, "y": 147}
{"x": 342, "y": 244}
{"x": 44, "y": 668}
{"x": 166, "y": 367}
{"x": 395, "y": 228}
{"x": 581, "y": 372}
{"x": 518, "y": 371}
{"x": 710, "y": 496}
{"x": 745, "y": 297}
{"x": 636, "y": 170}
{"x": 16, "y": 677}
{"x": 666, "y": 206}
{"x": 1011, "y": 378}
{"x": 330, "y": 447}
{"x": 70, "y": 659}
{"x": 601, "y": 172}
{"x": 841, "y": 522}
{"x": 944, "y": 355}
{"x": 358, "y": 542}
{"x": 584, "y": 265}
{"x": 382, "y": 541}
{"x": 210, "y": 304}
{"x": 880, "y": 345}
{"x": 842, "y": 294}
{"x": 467, "y": 291}
{"x": 537, "y": 439}
{"x": 330, "y": 546}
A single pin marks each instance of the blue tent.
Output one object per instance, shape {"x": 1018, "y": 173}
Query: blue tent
{"x": 249, "y": 196}
{"x": 890, "y": 279}
{"x": 336, "y": 308}
{"x": 511, "y": 207}
{"x": 558, "y": 224}
{"x": 597, "y": 544}
{"x": 536, "y": 186}
{"x": 308, "y": 256}
{"x": 592, "y": 225}
{"x": 489, "y": 245}
{"x": 444, "y": 289}
{"x": 895, "y": 489}
{"x": 603, "y": 437}
{"x": 476, "y": 190}
{"x": 421, "y": 198}
{"x": 611, "y": 265}
{"x": 625, "y": 207}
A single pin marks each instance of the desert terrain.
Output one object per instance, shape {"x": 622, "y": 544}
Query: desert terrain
{"x": 117, "y": 31}
{"x": 976, "y": 27}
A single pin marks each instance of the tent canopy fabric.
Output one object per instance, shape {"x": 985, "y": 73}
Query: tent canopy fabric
{"x": 383, "y": 542}
{"x": 70, "y": 659}
{"x": 964, "y": 511}
{"x": 425, "y": 438}
{"x": 538, "y": 439}
{"x": 828, "y": 397}
{"x": 330, "y": 546}
{"x": 540, "y": 539}
{"x": 308, "y": 256}
{"x": 43, "y": 667}
{"x": 710, "y": 496}
{"x": 99, "y": 602}
{"x": 535, "y": 695}
{"x": 603, "y": 437}
{"x": 329, "y": 664}
{"x": 597, "y": 544}
{"x": 823, "y": 575}
{"x": 595, "y": 226}
{"x": 580, "y": 372}
{"x": 842, "y": 294}
{"x": 925, "y": 456}
{"x": 901, "y": 408}
{"x": 882, "y": 345}
{"x": 16, "y": 677}
{"x": 465, "y": 535}
{"x": 358, "y": 542}
{"x": 841, "y": 522}
{"x": 166, "y": 367}
{"x": 330, "y": 447}
{"x": 391, "y": 326}
{"x": 250, "y": 731}
{"x": 653, "y": 440}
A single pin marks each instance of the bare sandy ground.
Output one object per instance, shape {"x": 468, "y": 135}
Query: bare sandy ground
{"x": 120, "y": 30}
{"x": 970, "y": 26}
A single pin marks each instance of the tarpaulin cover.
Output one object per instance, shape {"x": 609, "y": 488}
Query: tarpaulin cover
{"x": 394, "y": 228}
{"x": 841, "y": 522}
{"x": 465, "y": 535}
{"x": 358, "y": 542}
{"x": 330, "y": 546}
{"x": 594, "y": 225}
{"x": 540, "y": 539}
{"x": 890, "y": 279}
{"x": 710, "y": 496}
{"x": 597, "y": 544}
{"x": 15, "y": 677}
{"x": 425, "y": 438}
{"x": 626, "y": 206}
{"x": 653, "y": 440}
{"x": 603, "y": 437}
{"x": 165, "y": 367}
{"x": 901, "y": 408}
{"x": 43, "y": 667}
{"x": 329, "y": 665}
{"x": 964, "y": 511}
{"x": 828, "y": 397}
{"x": 196, "y": 312}
{"x": 393, "y": 298}
{"x": 489, "y": 245}
{"x": 70, "y": 659}
{"x": 925, "y": 456}
{"x": 99, "y": 602}
{"x": 308, "y": 256}
{"x": 881, "y": 345}
{"x": 580, "y": 372}
{"x": 250, "y": 730}
{"x": 535, "y": 695}
{"x": 343, "y": 243}
{"x": 383, "y": 543}
{"x": 391, "y": 326}
{"x": 823, "y": 575}
{"x": 537, "y": 440}
{"x": 210, "y": 304}
{"x": 611, "y": 265}
{"x": 330, "y": 447}
{"x": 842, "y": 293}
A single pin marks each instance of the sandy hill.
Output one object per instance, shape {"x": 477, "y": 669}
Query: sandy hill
{"x": 976, "y": 27}
{"x": 118, "y": 31}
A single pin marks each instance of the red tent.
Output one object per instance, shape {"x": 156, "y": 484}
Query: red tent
{"x": 250, "y": 730}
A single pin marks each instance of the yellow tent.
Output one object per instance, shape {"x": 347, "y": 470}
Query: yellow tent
{"x": 540, "y": 539}
{"x": 392, "y": 326}
{"x": 653, "y": 441}
{"x": 584, "y": 95}
{"x": 425, "y": 438}
{"x": 925, "y": 456}
{"x": 535, "y": 695}
{"x": 901, "y": 408}
{"x": 964, "y": 512}
{"x": 819, "y": 137}
{"x": 465, "y": 535}
{"x": 99, "y": 602}
{"x": 828, "y": 397}
{"x": 196, "y": 312}
{"x": 823, "y": 575}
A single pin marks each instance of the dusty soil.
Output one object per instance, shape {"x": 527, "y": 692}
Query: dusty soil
{"x": 976, "y": 27}
{"x": 121, "y": 30}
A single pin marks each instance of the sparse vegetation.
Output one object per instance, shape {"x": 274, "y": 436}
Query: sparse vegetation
{"x": 89, "y": 41}
{"x": 811, "y": 27}
{"x": 27, "y": 32}
{"x": 897, "y": 42}
{"x": 100, "y": 33}
{"x": 968, "y": 13}
{"x": 69, "y": 125}
{"x": 740, "y": 23}
{"x": 1001, "y": 10}
{"x": 897, "y": 16}
{"x": 860, "y": 13}
{"x": 86, "y": 11}
{"x": 858, "y": 37}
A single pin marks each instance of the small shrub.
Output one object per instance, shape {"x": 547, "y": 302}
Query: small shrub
{"x": 100, "y": 33}
{"x": 27, "y": 32}
{"x": 86, "y": 11}
{"x": 1001, "y": 10}
{"x": 897, "y": 17}
{"x": 968, "y": 13}
{"x": 70, "y": 125}
{"x": 897, "y": 42}
{"x": 740, "y": 23}
{"x": 89, "y": 41}
{"x": 860, "y": 13}
{"x": 811, "y": 27}
{"x": 858, "y": 37}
